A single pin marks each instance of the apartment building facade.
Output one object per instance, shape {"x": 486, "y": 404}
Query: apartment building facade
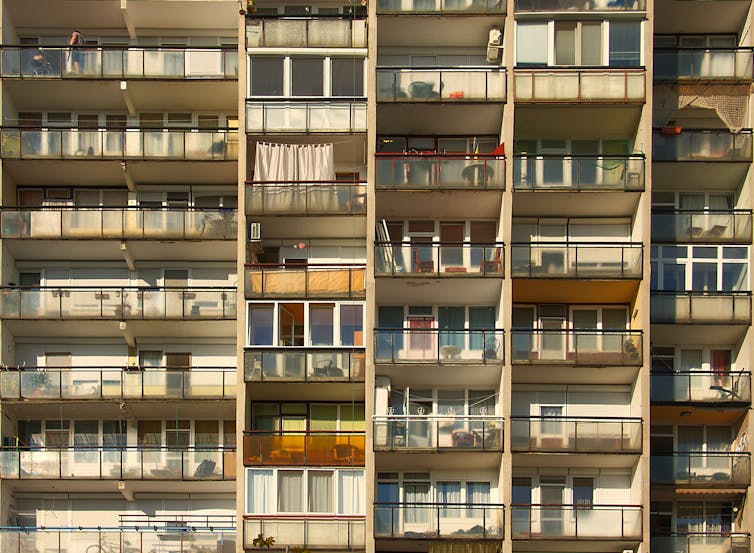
{"x": 450, "y": 274}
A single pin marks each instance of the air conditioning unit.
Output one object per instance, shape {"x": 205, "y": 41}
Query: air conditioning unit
{"x": 494, "y": 45}
{"x": 255, "y": 232}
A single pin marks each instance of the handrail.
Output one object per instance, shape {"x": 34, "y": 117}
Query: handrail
{"x": 304, "y": 265}
{"x": 143, "y": 288}
{"x": 437, "y": 504}
{"x": 531, "y": 155}
{"x": 467, "y": 155}
{"x": 305, "y": 432}
{"x": 305, "y": 183}
{"x": 575, "y": 418}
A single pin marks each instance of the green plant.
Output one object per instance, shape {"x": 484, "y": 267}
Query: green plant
{"x": 261, "y": 542}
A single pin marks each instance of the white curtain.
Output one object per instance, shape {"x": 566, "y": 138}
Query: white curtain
{"x": 290, "y": 491}
{"x": 260, "y": 495}
{"x": 294, "y": 162}
{"x": 320, "y": 491}
{"x": 351, "y": 489}
{"x": 449, "y": 492}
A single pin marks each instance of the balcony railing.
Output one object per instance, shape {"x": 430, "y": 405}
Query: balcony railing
{"x": 436, "y": 259}
{"x": 577, "y": 172}
{"x": 118, "y": 463}
{"x": 444, "y": 7}
{"x": 701, "y": 386}
{"x": 306, "y": 198}
{"x": 153, "y": 145}
{"x": 690, "y": 307}
{"x": 604, "y": 85}
{"x": 439, "y": 172}
{"x": 702, "y": 227}
{"x": 310, "y": 32}
{"x": 309, "y": 531}
{"x": 427, "y": 521}
{"x": 438, "y": 432}
{"x": 579, "y": 5}
{"x": 115, "y": 540}
{"x": 317, "y": 280}
{"x": 566, "y": 260}
{"x": 461, "y": 84}
{"x": 422, "y": 345}
{"x": 93, "y": 383}
{"x": 314, "y": 448}
{"x": 577, "y": 347}
{"x": 701, "y": 145}
{"x": 709, "y": 468}
{"x": 702, "y": 543}
{"x": 117, "y": 223}
{"x": 557, "y": 522}
{"x": 118, "y": 303}
{"x": 728, "y": 64}
{"x": 576, "y": 434}
{"x": 119, "y": 62}
{"x": 307, "y": 115}
{"x": 305, "y": 365}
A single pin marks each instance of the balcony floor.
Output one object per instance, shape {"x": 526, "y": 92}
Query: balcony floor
{"x": 575, "y": 545}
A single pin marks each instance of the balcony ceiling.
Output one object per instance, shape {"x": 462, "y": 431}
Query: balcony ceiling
{"x": 721, "y": 16}
{"x": 300, "y": 228}
{"x": 712, "y": 414}
{"x": 439, "y": 118}
{"x": 576, "y": 121}
{"x": 132, "y": 486}
{"x": 446, "y": 290}
{"x": 694, "y": 335}
{"x": 429, "y": 30}
{"x": 575, "y": 204}
{"x": 574, "y": 545}
{"x": 564, "y": 290}
{"x": 304, "y": 391}
{"x": 699, "y": 175}
{"x": 447, "y": 460}
{"x": 562, "y": 460}
{"x": 137, "y": 408}
{"x": 111, "y": 328}
{"x": 439, "y": 203}
{"x": 569, "y": 374}
{"x": 406, "y": 374}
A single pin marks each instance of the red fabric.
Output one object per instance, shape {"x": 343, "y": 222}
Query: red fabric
{"x": 499, "y": 151}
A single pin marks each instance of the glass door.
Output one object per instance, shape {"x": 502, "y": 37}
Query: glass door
{"x": 552, "y": 509}
{"x": 421, "y": 340}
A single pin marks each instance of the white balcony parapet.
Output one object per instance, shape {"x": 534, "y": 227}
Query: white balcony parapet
{"x": 456, "y": 84}
{"x": 314, "y": 115}
{"x": 305, "y": 32}
{"x": 316, "y": 532}
{"x": 573, "y": 85}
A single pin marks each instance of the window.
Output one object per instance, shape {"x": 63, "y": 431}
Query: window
{"x": 583, "y": 493}
{"x": 347, "y": 77}
{"x": 351, "y": 325}
{"x": 700, "y": 268}
{"x": 307, "y": 77}
{"x": 625, "y": 43}
{"x": 260, "y": 325}
{"x": 267, "y": 76}
{"x": 291, "y": 491}
{"x": 531, "y": 43}
{"x": 321, "y": 320}
{"x": 177, "y": 433}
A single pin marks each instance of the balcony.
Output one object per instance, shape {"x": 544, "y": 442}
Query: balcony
{"x": 419, "y": 345}
{"x": 586, "y": 6}
{"x": 676, "y": 144}
{"x": 305, "y": 365}
{"x": 419, "y": 172}
{"x": 306, "y": 198}
{"x": 690, "y": 307}
{"x": 706, "y": 64}
{"x": 604, "y": 86}
{"x": 702, "y": 543}
{"x": 462, "y": 84}
{"x": 120, "y": 63}
{"x": 92, "y": 383}
{"x": 117, "y": 223}
{"x": 130, "y": 144}
{"x": 314, "y": 115}
{"x": 702, "y": 469}
{"x": 576, "y": 435}
{"x": 429, "y": 521}
{"x": 567, "y": 260}
{"x": 438, "y": 260}
{"x": 408, "y": 433}
{"x": 701, "y": 387}
{"x": 118, "y": 463}
{"x": 321, "y": 280}
{"x": 594, "y": 522}
{"x": 577, "y": 347}
{"x": 442, "y": 7}
{"x": 577, "y": 172}
{"x": 311, "y": 531}
{"x": 300, "y": 32}
{"x": 118, "y": 303}
{"x": 320, "y": 449}
{"x": 702, "y": 227}
{"x": 116, "y": 540}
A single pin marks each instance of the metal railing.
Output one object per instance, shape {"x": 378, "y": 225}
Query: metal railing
{"x": 437, "y": 259}
{"x": 701, "y": 386}
{"x": 348, "y": 115}
{"x": 578, "y": 172}
{"x": 704, "y": 63}
{"x": 295, "y": 280}
{"x": 576, "y": 434}
{"x": 305, "y": 365}
{"x": 579, "y": 5}
{"x": 417, "y": 171}
{"x": 118, "y": 223}
{"x": 306, "y": 32}
{"x": 438, "y": 432}
{"x": 607, "y": 522}
{"x": 427, "y": 345}
{"x": 702, "y": 543}
{"x": 315, "y": 531}
{"x": 676, "y": 144}
{"x": 189, "y": 522}
{"x": 444, "y": 7}
{"x": 125, "y": 144}
{"x": 119, "y": 62}
{"x": 312, "y": 448}
{"x": 702, "y": 226}
{"x": 118, "y": 463}
{"x": 691, "y": 307}
{"x": 568, "y": 85}
{"x": 306, "y": 198}
{"x": 577, "y": 347}
{"x": 98, "y": 383}
{"x": 451, "y": 84}
{"x": 708, "y": 468}
{"x": 118, "y": 303}
{"x": 424, "y": 521}
{"x": 569, "y": 260}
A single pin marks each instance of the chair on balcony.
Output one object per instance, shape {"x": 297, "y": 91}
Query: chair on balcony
{"x": 344, "y": 454}
{"x": 423, "y": 265}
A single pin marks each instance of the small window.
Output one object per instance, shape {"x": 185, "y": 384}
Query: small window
{"x": 307, "y": 77}
{"x": 267, "y": 76}
{"x": 625, "y": 43}
{"x": 348, "y": 77}
{"x": 583, "y": 493}
{"x": 261, "y": 325}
